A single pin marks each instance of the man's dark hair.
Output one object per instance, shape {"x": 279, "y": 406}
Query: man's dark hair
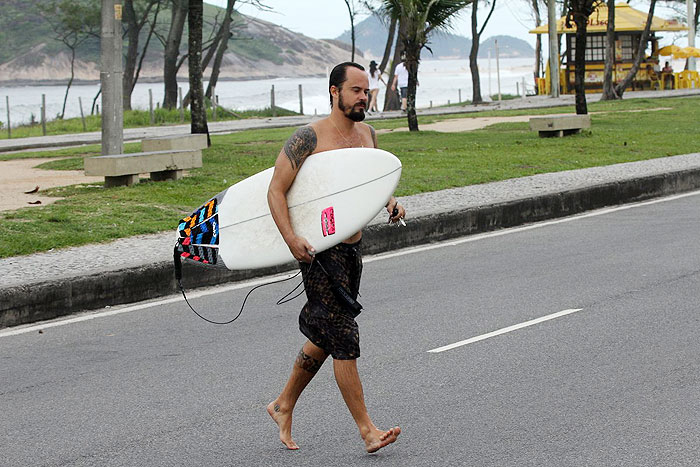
{"x": 339, "y": 75}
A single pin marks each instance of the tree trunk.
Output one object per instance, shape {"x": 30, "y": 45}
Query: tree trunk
{"x": 172, "y": 50}
{"x": 198, "y": 111}
{"x": 473, "y": 53}
{"x": 389, "y": 44}
{"x": 538, "y": 41}
{"x": 581, "y": 20}
{"x": 70, "y": 81}
{"x": 608, "y": 84}
{"x": 352, "y": 29}
{"x": 132, "y": 63}
{"x": 225, "y": 35}
{"x": 132, "y": 34}
{"x": 412, "y": 60}
{"x": 391, "y": 101}
{"x": 620, "y": 88}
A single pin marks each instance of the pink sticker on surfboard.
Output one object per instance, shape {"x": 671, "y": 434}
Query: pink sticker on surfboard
{"x": 328, "y": 221}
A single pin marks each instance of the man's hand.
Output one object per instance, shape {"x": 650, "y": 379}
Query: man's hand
{"x": 395, "y": 206}
{"x": 301, "y": 249}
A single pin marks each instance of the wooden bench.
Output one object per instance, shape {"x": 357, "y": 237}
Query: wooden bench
{"x": 124, "y": 169}
{"x": 559, "y": 125}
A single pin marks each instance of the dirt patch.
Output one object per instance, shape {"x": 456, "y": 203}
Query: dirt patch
{"x": 21, "y": 175}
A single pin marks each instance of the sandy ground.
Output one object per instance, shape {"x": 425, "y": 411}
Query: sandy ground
{"x": 20, "y": 175}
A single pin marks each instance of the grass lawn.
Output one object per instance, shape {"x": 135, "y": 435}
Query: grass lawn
{"x": 432, "y": 161}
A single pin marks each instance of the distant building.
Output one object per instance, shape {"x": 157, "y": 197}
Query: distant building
{"x": 629, "y": 25}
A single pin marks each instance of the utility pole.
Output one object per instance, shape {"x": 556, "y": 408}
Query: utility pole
{"x": 691, "y": 33}
{"x": 553, "y": 49}
{"x": 111, "y": 78}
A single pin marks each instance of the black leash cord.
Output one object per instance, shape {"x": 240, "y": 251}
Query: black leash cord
{"x": 178, "y": 276}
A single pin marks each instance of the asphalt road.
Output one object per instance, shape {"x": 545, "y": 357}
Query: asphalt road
{"x": 615, "y": 383}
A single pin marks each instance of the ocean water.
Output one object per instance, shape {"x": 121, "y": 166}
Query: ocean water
{"x": 440, "y": 81}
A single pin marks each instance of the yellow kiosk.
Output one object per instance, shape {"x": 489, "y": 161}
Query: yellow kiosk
{"x": 629, "y": 25}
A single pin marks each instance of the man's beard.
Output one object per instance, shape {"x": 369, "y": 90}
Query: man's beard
{"x": 351, "y": 113}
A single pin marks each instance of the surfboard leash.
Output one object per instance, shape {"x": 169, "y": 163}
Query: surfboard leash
{"x": 178, "y": 276}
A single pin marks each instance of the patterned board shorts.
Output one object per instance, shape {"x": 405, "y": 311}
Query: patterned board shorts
{"x": 324, "y": 320}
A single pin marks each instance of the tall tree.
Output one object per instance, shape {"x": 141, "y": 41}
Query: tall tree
{"x": 580, "y": 10}
{"x": 421, "y": 17}
{"x": 535, "y": 5}
{"x": 136, "y": 15}
{"x": 73, "y": 21}
{"x": 220, "y": 45}
{"x": 179, "y": 9}
{"x": 474, "y": 52}
{"x": 608, "y": 84}
{"x": 195, "y": 22}
{"x": 622, "y": 85}
{"x": 352, "y": 11}
{"x": 390, "y": 39}
{"x": 391, "y": 101}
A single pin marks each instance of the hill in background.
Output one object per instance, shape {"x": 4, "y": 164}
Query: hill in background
{"x": 30, "y": 54}
{"x": 371, "y": 34}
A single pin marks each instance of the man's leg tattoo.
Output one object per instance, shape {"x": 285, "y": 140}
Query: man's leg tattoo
{"x": 307, "y": 362}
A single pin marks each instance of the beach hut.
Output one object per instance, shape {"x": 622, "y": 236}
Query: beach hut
{"x": 629, "y": 25}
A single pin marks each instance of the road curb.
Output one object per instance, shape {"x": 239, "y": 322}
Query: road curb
{"x": 47, "y": 300}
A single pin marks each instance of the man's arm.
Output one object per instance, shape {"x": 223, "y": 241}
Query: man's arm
{"x": 297, "y": 148}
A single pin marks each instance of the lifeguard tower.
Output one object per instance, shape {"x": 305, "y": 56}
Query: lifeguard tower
{"x": 629, "y": 25}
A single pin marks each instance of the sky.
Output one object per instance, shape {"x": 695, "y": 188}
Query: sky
{"x": 327, "y": 19}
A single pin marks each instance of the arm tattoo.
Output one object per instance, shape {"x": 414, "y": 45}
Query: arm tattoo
{"x": 374, "y": 136}
{"x": 300, "y": 145}
{"x": 308, "y": 363}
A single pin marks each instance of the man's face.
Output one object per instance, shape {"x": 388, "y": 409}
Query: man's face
{"x": 352, "y": 95}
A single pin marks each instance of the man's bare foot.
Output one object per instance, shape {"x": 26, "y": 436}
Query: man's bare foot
{"x": 377, "y": 439}
{"x": 283, "y": 419}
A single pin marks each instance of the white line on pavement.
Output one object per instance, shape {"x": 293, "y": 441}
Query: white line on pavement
{"x": 515, "y": 327}
{"x": 406, "y": 251}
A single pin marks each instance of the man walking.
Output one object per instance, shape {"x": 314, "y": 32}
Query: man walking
{"x": 327, "y": 322}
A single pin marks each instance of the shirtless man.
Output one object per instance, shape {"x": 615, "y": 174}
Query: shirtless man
{"x": 328, "y": 324}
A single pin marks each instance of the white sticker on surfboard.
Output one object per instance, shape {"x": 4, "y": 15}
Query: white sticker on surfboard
{"x": 334, "y": 195}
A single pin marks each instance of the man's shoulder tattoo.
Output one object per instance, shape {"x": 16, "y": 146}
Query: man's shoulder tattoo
{"x": 300, "y": 145}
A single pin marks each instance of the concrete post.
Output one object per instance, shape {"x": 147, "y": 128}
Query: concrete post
{"x": 498, "y": 71}
{"x": 272, "y": 101}
{"x": 82, "y": 114}
{"x": 553, "y": 50}
{"x": 43, "y": 114}
{"x": 150, "y": 106}
{"x": 182, "y": 109}
{"x": 691, "y": 34}
{"x": 111, "y": 78}
{"x": 9, "y": 130}
{"x": 301, "y": 102}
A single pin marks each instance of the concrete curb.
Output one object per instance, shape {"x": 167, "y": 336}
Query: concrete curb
{"x": 47, "y": 300}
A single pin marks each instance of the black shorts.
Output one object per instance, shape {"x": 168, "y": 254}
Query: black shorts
{"x": 326, "y": 322}
{"x": 404, "y": 92}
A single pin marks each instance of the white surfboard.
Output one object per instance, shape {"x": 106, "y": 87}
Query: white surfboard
{"x": 334, "y": 195}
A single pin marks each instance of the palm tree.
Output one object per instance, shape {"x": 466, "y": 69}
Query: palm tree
{"x": 420, "y": 18}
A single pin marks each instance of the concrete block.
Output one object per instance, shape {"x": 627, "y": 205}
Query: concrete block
{"x": 142, "y": 162}
{"x": 177, "y": 142}
{"x": 559, "y": 125}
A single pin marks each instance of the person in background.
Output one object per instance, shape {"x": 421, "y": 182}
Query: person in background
{"x": 375, "y": 76}
{"x": 668, "y": 75}
{"x": 401, "y": 78}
